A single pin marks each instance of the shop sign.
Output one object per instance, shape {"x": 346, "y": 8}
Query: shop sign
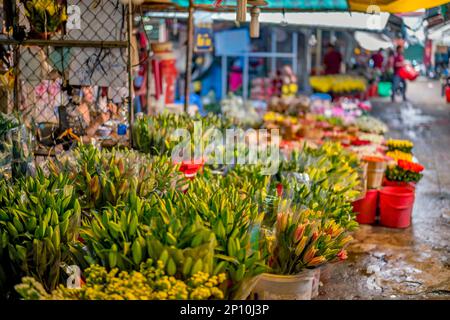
{"x": 203, "y": 38}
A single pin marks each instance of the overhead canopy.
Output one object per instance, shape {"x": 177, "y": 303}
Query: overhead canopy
{"x": 298, "y": 5}
{"x": 440, "y": 35}
{"x": 341, "y": 20}
{"x": 372, "y": 41}
{"x": 395, "y": 6}
{"x": 391, "y": 6}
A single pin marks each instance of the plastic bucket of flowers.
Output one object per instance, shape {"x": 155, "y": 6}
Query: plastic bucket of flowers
{"x": 375, "y": 171}
{"x": 396, "y": 206}
{"x": 367, "y": 208}
{"x": 304, "y": 240}
{"x": 388, "y": 183}
{"x": 403, "y": 173}
{"x": 284, "y": 287}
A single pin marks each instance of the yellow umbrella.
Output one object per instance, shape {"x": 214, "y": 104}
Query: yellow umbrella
{"x": 395, "y": 6}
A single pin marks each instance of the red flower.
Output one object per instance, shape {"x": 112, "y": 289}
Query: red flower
{"x": 410, "y": 166}
{"x": 342, "y": 255}
{"x": 279, "y": 189}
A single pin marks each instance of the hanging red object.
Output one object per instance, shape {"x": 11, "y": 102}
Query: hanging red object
{"x": 408, "y": 73}
{"x": 447, "y": 93}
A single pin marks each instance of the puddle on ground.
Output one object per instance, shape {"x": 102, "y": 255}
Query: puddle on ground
{"x": 414, "y": 117}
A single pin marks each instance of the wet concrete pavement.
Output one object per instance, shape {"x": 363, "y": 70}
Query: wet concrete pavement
{"x": 413, "y": 263}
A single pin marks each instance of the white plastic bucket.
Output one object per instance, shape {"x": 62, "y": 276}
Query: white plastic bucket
{"x": 279, "y": 287}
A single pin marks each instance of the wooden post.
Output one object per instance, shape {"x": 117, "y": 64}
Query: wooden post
{"x": 254, "y": 22}
{"x": 241, "y": 10}
{"x": 130, "y": 76}
{"x": 14, "y": 20}
{"x": 189, "y": 53}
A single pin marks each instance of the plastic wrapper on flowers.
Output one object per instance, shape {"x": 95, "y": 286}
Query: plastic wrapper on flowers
{"x": 16, "y": 157}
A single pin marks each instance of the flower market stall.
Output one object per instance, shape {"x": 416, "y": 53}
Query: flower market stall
{"x": 175, "y": 209}
{"x": 136, "y": 217}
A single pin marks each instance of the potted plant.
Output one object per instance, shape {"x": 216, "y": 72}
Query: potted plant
{"x": 45, "y": 17}
{"x": 303, "y": 240}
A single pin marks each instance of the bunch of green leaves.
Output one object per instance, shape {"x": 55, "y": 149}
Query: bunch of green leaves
{"x": 254, "y": 184}
{"x": 39, "y": 218}
{"x": 7, "y": 122}
{"x": 153, "y": 134}
{"x": 334, "y": 121}
{"x": 331, "y": 184}
{"x": 398, "y": 174}
{"x": 125, "y": 235}
{"x": 105, "y": 177}
{"x": 236, "y": 222}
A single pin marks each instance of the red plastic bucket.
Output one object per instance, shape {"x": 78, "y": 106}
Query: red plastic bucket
{"x": 367, "y": 208}
{"x": 387, "y": 183}
{"x": 396, "y": 206}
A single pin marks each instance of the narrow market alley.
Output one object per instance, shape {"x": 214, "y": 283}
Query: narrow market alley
{"x": 413, "y": 263}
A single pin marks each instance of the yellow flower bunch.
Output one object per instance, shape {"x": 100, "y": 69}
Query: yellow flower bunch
{"x": 401, "y": 145}
{"x": 274, "y": 117}
{"x": 399, "y": 155}
{"x": 151, "y": 283}
{"x": 338, "y": 83}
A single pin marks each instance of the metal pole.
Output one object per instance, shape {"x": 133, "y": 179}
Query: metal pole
{"x": 224, "y": 76}
{"x": 130, "y": 76}
{"x": 319, "y": 51}
{"x": 308, "y": 62}
{"x": 295, "y": 53}
{"x": 189, "y": 53}
{"x": 245, "y": 79}
{"x": 17, "y": 94}
{"x": 273, "y": 61}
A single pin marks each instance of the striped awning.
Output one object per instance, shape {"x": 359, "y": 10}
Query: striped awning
{"x": 391, "y": 6}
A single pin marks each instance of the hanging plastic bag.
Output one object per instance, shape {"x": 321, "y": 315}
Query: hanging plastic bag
{"x": 408, "y": 73}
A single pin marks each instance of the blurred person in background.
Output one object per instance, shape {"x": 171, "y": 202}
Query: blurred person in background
{"x": 81, "y": 118}
{"x": 398, "y": 83}
{"x": 378, "y": 59}
{"x": 332, "y": 60}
